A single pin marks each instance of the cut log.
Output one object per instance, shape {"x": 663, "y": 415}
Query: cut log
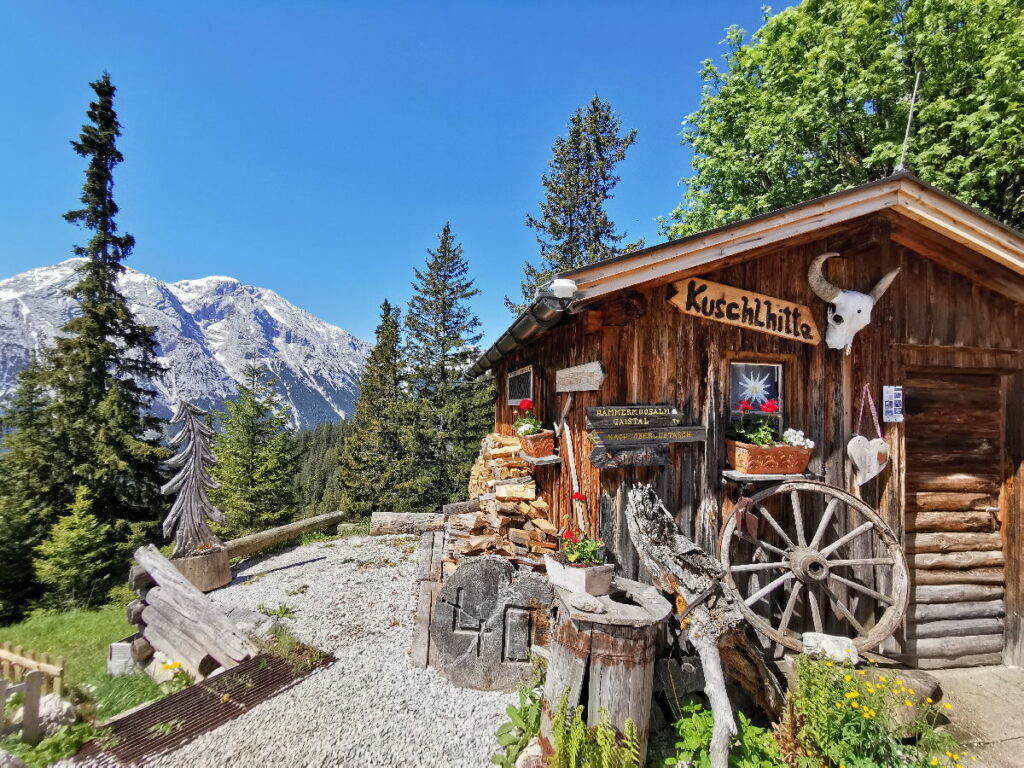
{"x": 542, "y": 546}
{"x": 954, "y": 647}
{"x": 207, "y": 571}
{"x": 139, "y": 579}
{"x": 164, "y": 633}
{"x": 473, "y": 545}
{"x": 134, "y": 611}
{"x": 524, "y": 491}
{"x": 546, "y": 526}
{"x": 956, "y": 593}
{"x": 944, "y": 560}
{"x": 966, "y": 576}
{"x": 953, "y": 542}
{"x": 461, "y": 507}
{"x": 951, "y": 521}
{"x": 142, "y": 649}
{"x": 390, "y": 523}
{"x": 247, "y": 545}
{"x": 524, "y": 537}
{"x": 925, "y": 501}
{"x": 950, "y": 611}
{"x": 957, "y": 628}
{"x": 469, "y": 523}
{"x": 171, "y": 609}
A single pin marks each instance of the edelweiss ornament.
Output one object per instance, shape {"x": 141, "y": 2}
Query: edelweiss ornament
{"x": 848, "y": 311}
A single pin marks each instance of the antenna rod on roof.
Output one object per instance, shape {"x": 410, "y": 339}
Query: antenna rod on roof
{"x": 910, "y": 120}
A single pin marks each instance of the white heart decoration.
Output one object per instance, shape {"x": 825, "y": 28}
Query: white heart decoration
{"x": 869, "y": 457}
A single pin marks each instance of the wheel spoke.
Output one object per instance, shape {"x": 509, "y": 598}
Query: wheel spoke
{"x": 861, "y": 588}
{"x": 798, "y": 518}
{"x": 812, "y": 600}
{"x": 862, "y": 528}
{"x": 830, "y": 509}
{"x": 862, "y": 561}
{"x": 762, "y": 544}
{"x": 771, "y": 585}
{"x": 778, "y": 528}
{"x": 787, "y": 612}
{"x": 757, "y": 567}
{"x": 840, "y": 606}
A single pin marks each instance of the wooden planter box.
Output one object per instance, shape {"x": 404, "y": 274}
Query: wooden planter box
{"x": 207, "y": 571}
{"x": 767, "y": 459}
{"x": 593, "y": 579}
{"x": 539, "y": 445}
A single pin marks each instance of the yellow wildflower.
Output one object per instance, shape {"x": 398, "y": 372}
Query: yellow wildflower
{"x": 861, "y": 672}
{"x": 883, "y": 678}
{"x": 935, "y": 761}
{"x": 847, "y": 678}
{"x": 854, "y": 704}
{"x": 851, "y": 695}
{"x": 828, "y": 663}
{"x": 929, "y": 700}
{"x": 947, "y": 705}
{"x": 908, "y": 702}
{"x": 870, "y": 660}
{"x": 912, "y": 691}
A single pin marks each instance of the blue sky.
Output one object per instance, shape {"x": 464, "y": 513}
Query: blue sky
{"x": 317, "y": 148}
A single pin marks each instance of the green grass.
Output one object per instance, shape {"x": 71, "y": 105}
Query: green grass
{"x": 80, "y": 636}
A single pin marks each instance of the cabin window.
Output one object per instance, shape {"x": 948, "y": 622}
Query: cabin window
{"x": 520, "y": 385}
{"x": 756, "y": 383}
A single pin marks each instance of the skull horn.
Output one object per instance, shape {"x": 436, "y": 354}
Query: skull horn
{"x": 822, "y": 287}
{"x": 883, "y": 284}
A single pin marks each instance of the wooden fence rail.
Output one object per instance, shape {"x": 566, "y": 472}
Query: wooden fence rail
{"x": 16, "y": 662}
{"x": 31, "y": 688}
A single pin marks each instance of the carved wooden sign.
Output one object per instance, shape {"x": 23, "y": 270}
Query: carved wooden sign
{"x": 580, "y": 378}
{"x": 656, "y": 436}
{"x": 627, "y": 416}
{"x": 745, "y": 309}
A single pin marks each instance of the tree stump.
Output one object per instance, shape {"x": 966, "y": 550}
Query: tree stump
{"x": 206, "y": 572}
{"x": 616, "y": 646}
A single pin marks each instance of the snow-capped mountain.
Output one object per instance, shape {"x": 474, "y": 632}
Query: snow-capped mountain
{"x": 205, "y": 330}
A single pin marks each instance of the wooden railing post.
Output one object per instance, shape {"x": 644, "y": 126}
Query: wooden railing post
{"x": 31, "y": 728}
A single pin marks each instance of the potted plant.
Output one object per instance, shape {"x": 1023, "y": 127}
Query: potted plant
{"x": 755, "y": 447}
{"x": 578, "y": 566}
{"x": 536, "y": 441}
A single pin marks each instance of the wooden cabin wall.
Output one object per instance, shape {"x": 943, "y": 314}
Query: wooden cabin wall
{"x": 929, "y": 314}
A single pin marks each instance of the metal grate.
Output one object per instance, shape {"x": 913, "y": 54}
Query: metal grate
{"x": 520, "y": 385}
{"x": 169, "y": 723}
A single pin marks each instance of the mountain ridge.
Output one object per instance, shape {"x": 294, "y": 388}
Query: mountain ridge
{"x": 206, "y": 328}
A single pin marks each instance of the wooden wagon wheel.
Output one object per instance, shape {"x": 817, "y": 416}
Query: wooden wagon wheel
{"x": 791, "y": 551}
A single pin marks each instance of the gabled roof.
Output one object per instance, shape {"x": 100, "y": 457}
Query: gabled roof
{"x": 901, "y": 197}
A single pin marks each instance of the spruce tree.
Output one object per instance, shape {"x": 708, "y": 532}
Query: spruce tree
{"x": 86, "y": 402}
{"x": 450, "y": 416}
{"x": 255, "y": 457}
{"x": 73, "y": 560}
{"x": 376, "y": 465}
{"x": 573, "y": 229}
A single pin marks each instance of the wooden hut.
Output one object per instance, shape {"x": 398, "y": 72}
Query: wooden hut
{"x": 692, "y": 324}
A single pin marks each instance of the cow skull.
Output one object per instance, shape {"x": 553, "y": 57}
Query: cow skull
{"x": 848, "y": 311}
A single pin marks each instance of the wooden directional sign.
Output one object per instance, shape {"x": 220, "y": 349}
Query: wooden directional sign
{"x": 580, "y": 378}
{"x": 656, "y": 436}
{"x": 632, "y": 416}
{"x": 746, "y": 309}
{"x": 639, "y": 456}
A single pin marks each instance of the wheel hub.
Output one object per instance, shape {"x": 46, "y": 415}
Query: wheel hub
{"x": 809, "y": 565}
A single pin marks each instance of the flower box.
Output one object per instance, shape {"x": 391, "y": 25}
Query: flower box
{"x": 591, "y": 579}
{"x": 779, "y": 459}
{"x": 539, "y": 445}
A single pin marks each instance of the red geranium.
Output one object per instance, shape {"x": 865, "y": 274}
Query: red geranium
{"x": 579, "y": 497}
{"x": 770, "y": 406}
{"x": 745, "y": 406}
{"x": 526, "y": 404}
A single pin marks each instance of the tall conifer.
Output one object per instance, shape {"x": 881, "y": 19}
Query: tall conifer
{"x": 450, "y": 416}
{"x": 376, "y": 466}
{"x": 256, "y": 457}
{"x": 573, "y": 229}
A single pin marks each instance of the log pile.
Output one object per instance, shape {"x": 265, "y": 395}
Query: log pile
{"x": 504, "y": 516}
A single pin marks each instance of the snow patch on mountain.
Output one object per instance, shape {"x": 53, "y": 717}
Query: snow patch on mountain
{"x": 205, "y": 331}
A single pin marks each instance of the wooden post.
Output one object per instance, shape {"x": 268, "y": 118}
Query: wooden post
{"x": 31, "y": 729}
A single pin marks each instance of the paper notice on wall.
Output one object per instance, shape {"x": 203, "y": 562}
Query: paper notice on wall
{"x": 892, "y": 403}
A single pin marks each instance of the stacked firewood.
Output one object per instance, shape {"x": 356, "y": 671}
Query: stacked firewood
{"x": 505, "y": 516}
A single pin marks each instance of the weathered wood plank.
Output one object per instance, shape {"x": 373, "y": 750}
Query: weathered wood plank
{"x": 953, "y": 542}
{"x": 580, "y": 378}
{"x": 618, "y": 417}
{"x": 955, "y": 628}
{"x": 954, "y": 647}
{"x": 956, "y": 593}
{"x": 965, "y": 576}
{"x": 222, "y": 647}
{"x": 939, "y": 522}
{"x": 948, "y": 611}
{"x": 946, "y": 560}
{"x": 973, "y": 660}
{"x": 390, "y": 523}
{"x": 932, "y": 501}
{"x": 164, "y": 631}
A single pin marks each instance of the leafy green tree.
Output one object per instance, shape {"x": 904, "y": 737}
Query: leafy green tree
{"x": 256, "y": 458}
{"x": 375, "y": 470}
{"x": 573, "y": 229}
{"x": 73, "y": 560}
{"x": 818, "y": 101}
{"x": 450, "y": 416}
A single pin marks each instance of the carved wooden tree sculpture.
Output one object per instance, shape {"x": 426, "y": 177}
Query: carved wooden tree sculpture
{"x": 187, "y": 519}
{"x": 708, "y": 609}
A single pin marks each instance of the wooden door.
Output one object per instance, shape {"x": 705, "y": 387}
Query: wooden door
{"x": 955, "y": 448}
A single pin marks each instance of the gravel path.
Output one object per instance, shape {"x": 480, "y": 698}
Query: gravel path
{"x": 369, "y": 708}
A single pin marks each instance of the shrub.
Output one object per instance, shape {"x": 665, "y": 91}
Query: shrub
{"x": 74, "y": 559}
{"x": 753, "y": 747}
{"x": 848, "y": 719}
